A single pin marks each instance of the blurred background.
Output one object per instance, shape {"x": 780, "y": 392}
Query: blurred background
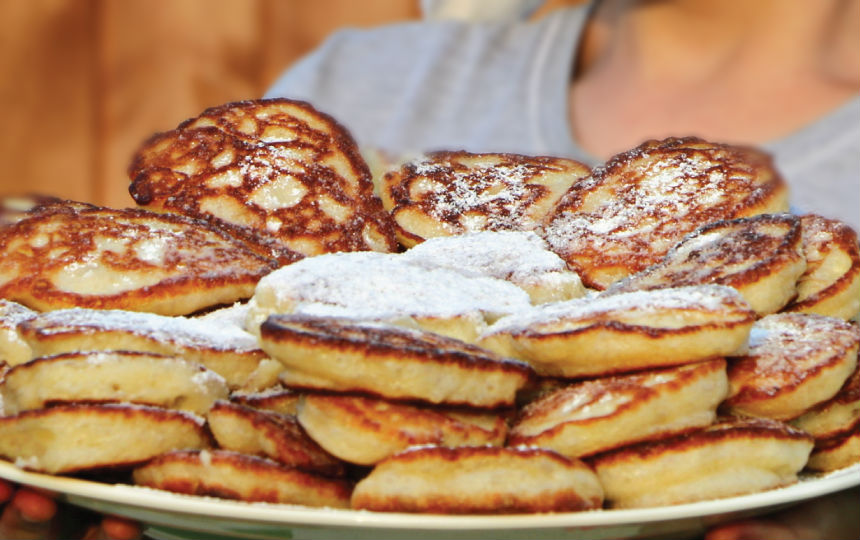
{"x": 84, "y": 82}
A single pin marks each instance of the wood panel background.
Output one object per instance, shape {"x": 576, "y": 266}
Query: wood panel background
{"x": 84, "y": 82}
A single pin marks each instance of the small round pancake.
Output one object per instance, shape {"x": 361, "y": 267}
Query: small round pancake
{"x": 837, "y": 451}
{"x": 365, "y": 431}
{"x": 795, "y": 361}
{"x": 451, "y": 193}
{"x": 759, "y": 256}
{"x": 225, "y": 349}
{"x": 276, "y": 172}
{"x": 268, "y": 434}
{"x": 632, "y": 210}
{"x": 478, "y": 480}
{"x": 623, "y": 332}
{"x": 384, "y": 287}
{"x": 601, "y": 414}
{"x": 520, "y": 257}
{"x": 115, "y": 376}
{"x": 834, "y": 415}
{"x": 831, "y": 283}
{"x": 732, "y": 457}
{"x": 68, "y": 255}
{"x": 13, "y": 349}
{"x": 390, "y": 361}
{"x": 72, "y": 438}
{"x": 231, "y": 475}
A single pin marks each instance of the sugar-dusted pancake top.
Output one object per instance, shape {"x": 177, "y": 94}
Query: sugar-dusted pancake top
{"x": 454, "y": 192}
{"x": 69, "y": 255}
{"x": 277, "y": 171}
{"x": 629, "y": 212}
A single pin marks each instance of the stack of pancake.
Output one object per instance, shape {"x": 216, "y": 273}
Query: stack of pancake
{"x": 463, "y": 333}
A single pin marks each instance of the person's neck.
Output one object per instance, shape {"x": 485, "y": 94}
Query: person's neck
{"x": 724, "y": 49}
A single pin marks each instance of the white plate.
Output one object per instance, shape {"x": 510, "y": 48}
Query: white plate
{"x": 175, "y": 516}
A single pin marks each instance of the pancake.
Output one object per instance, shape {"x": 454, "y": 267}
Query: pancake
{"x": 225, "y": 349}
{"x": 632, "y": 210}
{"x": 478, "y": 480}
{"x": 275, "y": 172}
{"x": 519, "y": 257}
{"x": 837, "y": 451}
{"x": 795, "y": 361}
{"x": 729, "y": 458}
{"x": 13, "y": 349}
{"x": 385, "y": 287}
{"x": 389, "y": 361}
{"x": 74, "y": 438}
{"x": 230, "y": 475}
{"x": 831, "y": 284}
{"x": 144, "y": 378}
{"x": 625, "y": 332}
{"x": 451, "y": 193}
{"x": 68, "y": 255}
{"x": 760, "y": 256}
{"x": 268, "y": 434}
{"x": 601, "y": 414}
{"x": 365, "y": 431}
{"x": 836, "y": 414}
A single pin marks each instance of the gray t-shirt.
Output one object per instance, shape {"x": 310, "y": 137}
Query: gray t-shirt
{"x": 503, "y": 87}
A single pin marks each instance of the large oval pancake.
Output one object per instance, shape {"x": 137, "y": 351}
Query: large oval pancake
{"x": 760, "y": 256}
{"x": 66, "y": 256}
{"x": 795, "y": 361}
{"x": 450, "y": 193}
{"x": 231, "y": 475}
{"x": 616, "y": 333}
{"x": 831, "y": 283}
{"x": 731, "y": 457}
{"x": 72, "y": 438}
{"x": 389, "y": 361}
{"x": 632, "y": 210}
{"x": 601, "y": 414}
{"x": 478, "y": 480}
{"x": 275, "y": 171}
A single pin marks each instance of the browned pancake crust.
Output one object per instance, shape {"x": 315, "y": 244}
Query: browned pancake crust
{"x": 631, "y": 211}
{"x": 285, "y": 440}
{"x": 231, "y": 151}
{"x": 231, "y": 475}
{"x": 505, "y": 195}
{"x": 59, "y": 236}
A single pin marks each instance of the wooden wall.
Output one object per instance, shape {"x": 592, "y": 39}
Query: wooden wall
{"x": 83, "y": 82}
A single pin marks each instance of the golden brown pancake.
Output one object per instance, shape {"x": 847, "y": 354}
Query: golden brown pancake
{"x": 520, "y": 257}
{"x": 231, "y": 475}
{"x": 601, "y": 414}
{"x": 65, "y": 256}
{"x": 831, "y": 283}
{"x": 729, "y": 458}
{"x": 389, "y": 361}
{"x": 269, "y": 434}
{"x": 760, "y": 256}
{"x": 624, "y": 332}
{"x": 450, "y": 193}
{"x": 632, "y": 210}
{"x": 478, "y": 480}
{"x": 385, "y": 287}
{"x": 118, "y": 376}
{"x": 795, "y": 361}
{"x": 276, "y": 172}
{"x": 13, "y": 349}
{"x": 72, "y": 438}
{"x": 365, "y": 431}
{"x": 224, "y": 348}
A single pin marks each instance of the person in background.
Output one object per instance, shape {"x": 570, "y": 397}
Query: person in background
{"x": 587, "y": 82}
